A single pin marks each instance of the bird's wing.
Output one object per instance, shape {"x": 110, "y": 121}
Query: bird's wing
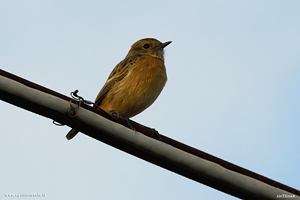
{"x": 117, "y": 74}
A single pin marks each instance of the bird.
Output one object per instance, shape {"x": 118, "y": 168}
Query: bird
{"x": 136, "y": 82}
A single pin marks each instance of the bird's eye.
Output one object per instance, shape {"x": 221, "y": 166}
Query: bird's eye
{"x": 146, "y": 46}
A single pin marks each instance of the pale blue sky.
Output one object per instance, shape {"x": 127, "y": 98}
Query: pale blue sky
{"x": 233, "y": 91}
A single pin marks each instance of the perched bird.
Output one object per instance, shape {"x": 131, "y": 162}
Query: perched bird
{"x": 135, "y": 83}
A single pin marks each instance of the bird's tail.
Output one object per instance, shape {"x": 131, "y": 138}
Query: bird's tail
{"x": 72, "y": 133}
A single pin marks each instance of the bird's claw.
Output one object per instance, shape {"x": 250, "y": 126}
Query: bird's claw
{"x": 155, "y": 133}
{"x": 114, "y": 114}
{"x": 117, "y": 115}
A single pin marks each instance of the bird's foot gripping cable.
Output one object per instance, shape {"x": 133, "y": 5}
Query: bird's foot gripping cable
{"x": 117, "y": 115}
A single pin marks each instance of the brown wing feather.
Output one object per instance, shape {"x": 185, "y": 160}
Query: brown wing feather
{"x": 117, "y": 74}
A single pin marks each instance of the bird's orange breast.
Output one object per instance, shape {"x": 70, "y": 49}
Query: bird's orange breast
{"x": 138, "y": 89}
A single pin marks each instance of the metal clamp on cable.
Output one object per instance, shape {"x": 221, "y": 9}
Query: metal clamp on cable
{"x": 74, "y": 104}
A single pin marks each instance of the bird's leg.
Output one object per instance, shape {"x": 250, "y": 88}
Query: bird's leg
{"x": 130, "y": 124}
{"x": 117, "y": 115}
{"x": 114, "y": 114}
{"x": 155, "y": 133}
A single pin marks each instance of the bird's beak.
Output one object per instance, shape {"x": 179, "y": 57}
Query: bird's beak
{"x": 163, "y": 45}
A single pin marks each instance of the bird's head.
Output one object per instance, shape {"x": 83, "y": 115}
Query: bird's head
{"x": 148, "y": 46}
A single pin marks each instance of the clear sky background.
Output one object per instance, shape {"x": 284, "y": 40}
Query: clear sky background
{"x": 233, "y": 91}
